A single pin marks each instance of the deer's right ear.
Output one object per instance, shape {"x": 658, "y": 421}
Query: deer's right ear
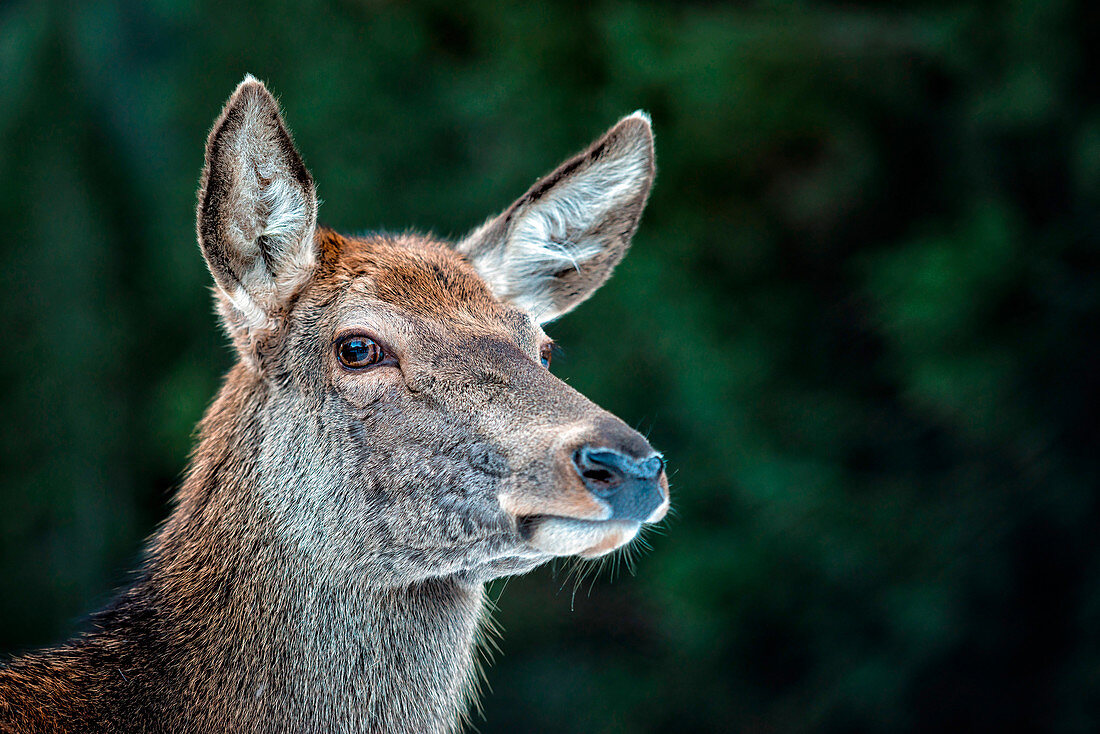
{"x": 257, "y": 213}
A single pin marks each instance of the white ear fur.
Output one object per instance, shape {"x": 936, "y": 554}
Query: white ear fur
{"x": 257, "y": 210}
{"x": 285, "y": 230}
{"x": 559, "y": 242}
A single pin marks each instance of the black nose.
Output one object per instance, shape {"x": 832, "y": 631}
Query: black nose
{"x": 630, "y": 485}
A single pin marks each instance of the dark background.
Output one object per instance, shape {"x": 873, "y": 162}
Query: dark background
{"x": 861, "y": 317}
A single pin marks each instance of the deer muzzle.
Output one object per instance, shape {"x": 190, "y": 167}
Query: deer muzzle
{"x": 609, "y": 484}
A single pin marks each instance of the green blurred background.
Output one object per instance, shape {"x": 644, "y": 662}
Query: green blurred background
{"x": 861, "y": 317}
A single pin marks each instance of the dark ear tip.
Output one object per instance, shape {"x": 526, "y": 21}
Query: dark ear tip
{"x": 250, "y": 97}
{"x": 636, "y": 123}
{"x": 636, "y": 128}
{"x": 638, "y": 117}
{"x": 251, "y": 88}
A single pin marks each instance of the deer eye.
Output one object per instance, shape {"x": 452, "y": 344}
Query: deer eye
{"x": 545, "y": 354}
{"x": 357, "y": 352}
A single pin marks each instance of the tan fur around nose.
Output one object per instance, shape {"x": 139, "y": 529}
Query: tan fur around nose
{"x": 323, "y": 566}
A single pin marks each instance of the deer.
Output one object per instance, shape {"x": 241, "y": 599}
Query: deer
{"x": 389, "y": 440}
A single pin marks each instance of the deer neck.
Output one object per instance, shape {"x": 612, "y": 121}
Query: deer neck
{"x": 264, "y": 637}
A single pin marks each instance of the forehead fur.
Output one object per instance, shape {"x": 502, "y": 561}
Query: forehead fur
{"x": 415, "y": 273}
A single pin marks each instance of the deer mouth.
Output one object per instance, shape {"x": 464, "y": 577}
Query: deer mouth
{"x": 567, "y": 536}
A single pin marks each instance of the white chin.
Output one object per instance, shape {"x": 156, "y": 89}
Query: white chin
{"x": 562, "y": 536}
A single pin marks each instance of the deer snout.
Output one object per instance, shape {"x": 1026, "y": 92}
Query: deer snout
{"x": 610, "y": 482}
{"x": 634, "y": 487}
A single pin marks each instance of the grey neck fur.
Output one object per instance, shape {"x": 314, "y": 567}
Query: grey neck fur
{"x": 265, "y": 639}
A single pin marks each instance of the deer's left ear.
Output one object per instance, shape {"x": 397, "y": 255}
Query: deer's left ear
{"x": 559, "y": 242}
{"x": 257, "y": 213}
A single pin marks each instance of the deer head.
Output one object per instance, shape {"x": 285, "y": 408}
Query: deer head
{"x": 393, "y": 409}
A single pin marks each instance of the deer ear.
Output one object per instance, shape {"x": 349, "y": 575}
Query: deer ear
{"x": 559, "y": 242}
{"x": 257, "y": 212}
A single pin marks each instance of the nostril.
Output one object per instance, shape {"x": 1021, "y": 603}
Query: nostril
{"x": 598, "y": 475}
{"x": 630, "y": 485}
{"x": 597, "y": 470}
